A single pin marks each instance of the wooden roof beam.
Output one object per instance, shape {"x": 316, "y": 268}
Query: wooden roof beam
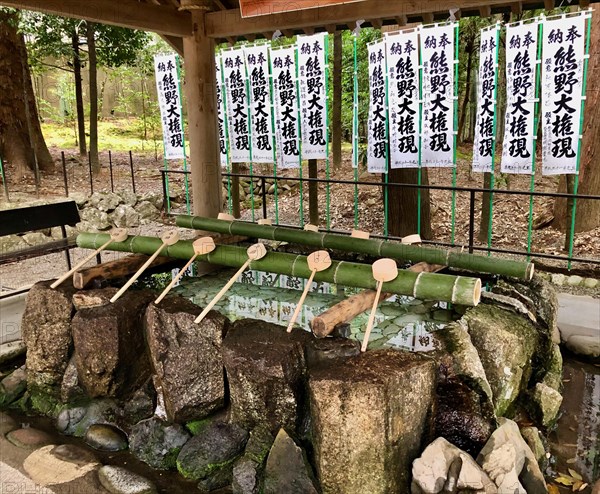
{"x": 124, "y": 13}
{"x": 485, "y": 11}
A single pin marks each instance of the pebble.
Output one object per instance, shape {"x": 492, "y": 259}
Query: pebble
{"x": 118, "y": 480}
{"x": 104, "y": 437}
{"x": 73, "y": 454}
{"x": 558, "y": 279}
{"x": 44, "y": 468}
{"x": 574, "y": 280}
{"x": 590, "y": 283}
{"x": 29, "y": 438}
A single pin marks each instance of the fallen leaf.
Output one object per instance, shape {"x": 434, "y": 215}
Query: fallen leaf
{"x": 552, "y": 489}
{"x": 574, "y": 474}
{"x": 583, "y": 486}
{"x": 565, "y": 480}
{"x": 571, "y": 460}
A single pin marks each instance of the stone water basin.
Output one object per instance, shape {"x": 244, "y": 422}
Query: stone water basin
{"x": 401, "y": 322}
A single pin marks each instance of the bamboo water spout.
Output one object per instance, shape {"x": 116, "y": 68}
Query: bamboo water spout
{"x": 460, "y": 290}
{"x": 373, "y": 247}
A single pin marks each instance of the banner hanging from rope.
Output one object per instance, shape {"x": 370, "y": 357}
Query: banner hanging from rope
{"x": 404, "y": 98}
{"x": 313, "y": 95}
{"x": 169, "y": 101}
{"x": 437, "y": 52}
{"x": 485, "y": 128}
{"x": 236, "y": 93}
{"x": 562, "y": 85}
{"x": 287, "y": 111}
{"x": 377, "y": 148}
{"x": 221, "y": 111}
{"x": 519, "y": 130}
{"x": 257, "y": 63}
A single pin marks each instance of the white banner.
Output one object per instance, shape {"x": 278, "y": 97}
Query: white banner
{"x": 221, "y": 109}
{"x": 287, "y": 124}
{"x": 257, "y": 62}
{"x": 377, "y": 133}
{"x": 169, "y": 101}
{"x": 313, "y": 95}
{"x": 483, "y": 147}
{"x": 562, "y": 76}
{"x": 403, "y": 98}
{"x": 437, "y": 52}
{"x": 236, "y": 89}
{"x": 519, "y": 131}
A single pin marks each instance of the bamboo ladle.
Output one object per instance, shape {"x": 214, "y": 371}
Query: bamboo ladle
{"x": 202, "y": 246}
{"x": 317, "y": 261}
{"x": 383, "y": 270}
{"x": 116, "y": 235}
{"x": 254, "y": 252}
{"x": 168, "y": 238}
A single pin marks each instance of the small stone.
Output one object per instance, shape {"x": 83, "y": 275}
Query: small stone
{"x": 558, "y": 279}
{"x": 86, "y": 299}
{"x": 7, "y": 423}
{"x": 590, "y": 283}
{"x": 287, "y": 468}
{"x": 574, "y": 280}
{"x": 104, "y": 201}
{"x": 125, "y": 217}
{"x": 211, "y": 451}
{"x": 118, "y": 480}
{"x": 12, "y": 350}
{"x": 97, "y": 219}
{"x": 586, "y": 345}
{"x": 35, "y": 238}
{"x": 73, "y": 454}
{"x": 104, "y": 437}
{"x": 128, "y": 197}
{"x": 45, "y": 468}
{"x": 154, "y": 198}
{"x": 70, "y": 388}
{"x": 545, "y": 403}
{"x": 320, "y": 350}
{"x": 533, "y": 438}
{"x": 76, "y": 421}
{"x": 13, "y": 386}
{"x": 157, "y": 443}
{"x": 29, "y": 438}
{"x": 147, "y": 210}
{"x": 142, "y": 403}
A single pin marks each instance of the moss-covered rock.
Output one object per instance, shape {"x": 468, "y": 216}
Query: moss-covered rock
{"x": 157, "y": 443}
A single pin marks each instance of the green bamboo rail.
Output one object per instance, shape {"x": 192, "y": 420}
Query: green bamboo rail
{"x": 428, "y": 286}
{"x": 373, "y": 247}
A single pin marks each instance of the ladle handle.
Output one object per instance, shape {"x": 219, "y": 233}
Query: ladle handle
{"x": 77, "y": 266}
{"x": 175, "y": 280}
{"x": 219, "y": 295}
{"x": 365, "y": 342}
{"x": 301, "y": 302}
{"x": 138, "y": 274}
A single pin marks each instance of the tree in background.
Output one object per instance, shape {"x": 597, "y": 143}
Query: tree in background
{"x": 21, "y": 141}
{"x": 62, "y": 40}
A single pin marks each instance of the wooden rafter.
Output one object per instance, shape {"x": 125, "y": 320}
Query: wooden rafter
{"x": 125, "y": 13}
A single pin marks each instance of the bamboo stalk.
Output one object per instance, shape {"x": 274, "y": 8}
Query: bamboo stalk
{"x": 373, "y": 247}
{"x": 460, "y": 290}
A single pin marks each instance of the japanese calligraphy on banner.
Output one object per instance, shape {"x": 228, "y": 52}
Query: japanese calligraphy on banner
{"x": 257, "y": 63}
{"x": 377, "y": 133}
{"x": 313, "y": 95}
{"x": 287, "y": 124}
{"x": 236, "y": 93}
{"x": 221, "y": 111}
{"x": 403, "y": 98}
{"x": 519, "y": 131}
{"x": 485, "y": 126}
{"x": 562, "y": 79}
{"x": 169, "y": 101}
{"x": 437, "y": 52}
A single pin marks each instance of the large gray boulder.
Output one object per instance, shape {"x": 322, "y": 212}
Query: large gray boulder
{"x": 510, "y": 463}
{"x": 445, "y": 468}
{"x": 46, "y": 330}
{"x": 506, "y": 343}
{"x": 110, "y": 350}
{"x": 186, "y": 357}
{"x": 369, "y": 416}
{"x": 287, "y": 468}
{"x": 266, "y": 371}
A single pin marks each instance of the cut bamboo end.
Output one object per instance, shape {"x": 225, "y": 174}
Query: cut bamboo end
{"x": 360, "y": 234}
{"x": 412, "y": 239}
{"x": 477, "y": 292}
{"x": 530, "y": 271}
{"x": 311, "y": 228}
{"x": 265, "y": 221}
{"x": 225, "y": 217}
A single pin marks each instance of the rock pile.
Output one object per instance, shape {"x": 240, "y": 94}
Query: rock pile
{"x": 248, "y": 405}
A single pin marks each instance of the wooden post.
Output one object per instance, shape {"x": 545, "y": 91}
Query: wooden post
{"x": 200, "y": 93}
{"x": 313, "y": 193}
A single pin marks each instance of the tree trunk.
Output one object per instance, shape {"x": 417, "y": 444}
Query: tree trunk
{"x": 78, "y": 94}
{"x": 588, "y": 212}
{"x": 16, "y": 143}
{"x": 465, "y": 104}
{"x": 93, "y": 68}
{"x": 403, "y": 204}
{"x": 337, "y": 100}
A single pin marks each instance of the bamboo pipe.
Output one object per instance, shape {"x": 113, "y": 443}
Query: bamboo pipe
{"x": 460, "y": 290}
{"x": 374, "y": 247}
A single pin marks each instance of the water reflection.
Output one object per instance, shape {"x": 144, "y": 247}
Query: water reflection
{"x": 400, "y": 322}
